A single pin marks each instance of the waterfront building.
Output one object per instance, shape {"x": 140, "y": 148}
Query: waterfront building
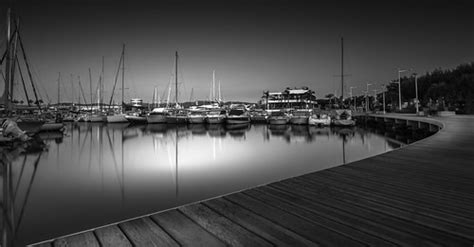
{"x": 297, "y": 98}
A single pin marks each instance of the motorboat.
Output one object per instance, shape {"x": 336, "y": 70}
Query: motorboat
{"x": 319, "y": 119}
{"x": 237, "y": 116}
{"x": 299, "y": 117}
{"x": 343, "y": 117}
{"x": 217, "y": 116}
{"x": 197, "y": 117}
{"x": 258, "y": 116}
{"x": 278, "y": 118}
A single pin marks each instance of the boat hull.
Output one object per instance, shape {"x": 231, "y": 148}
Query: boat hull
{"x": 176, "y": 120}
{"x": 53, "y": 126}
{"x": 343, "y": 122}
{"x": 319, "y": 121}
{"x": 136, "y": 119}
{"x": 30, "y": 125}
{"x": 152, "y": 119}
{"x": 258, "y": 119}
{"x": 215, "y": 120}
{"x": 97, "y": 118}
{"x": 197, "y": 120}
{"x": 277, "y": 121}
{"x": 237, "y": 120}
{"x": 117, "y": 119}
{"x": 299, "y": 120}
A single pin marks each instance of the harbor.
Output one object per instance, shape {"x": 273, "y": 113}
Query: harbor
{"x": 319, "y": 208}
{"x": 244, "y": 123}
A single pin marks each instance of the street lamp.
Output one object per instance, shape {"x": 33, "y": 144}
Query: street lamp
{"x": 416, "y": 93}
{"x": 366, "y": 98}
{"x": 383, "y": 97}
{"x": 399, "y": 89}
{"x": 352, "y": 96}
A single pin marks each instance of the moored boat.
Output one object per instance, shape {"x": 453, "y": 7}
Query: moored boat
{"x": 278, "y": 118}
{"x": 157, "y": 115}
{"x": 177, "y": 117}
{"x": 52, "y": 126}
{"x": 300, "y": 117}
{"x": 216, "y": 116}
{"x": 319, "y": 119}
{"x": 136, "y": 118}
{"x": 343, "y": 118}
{"x": 258, "y": 116}
{"x": 197, "y": 116}
{"x": 237, "y": 116}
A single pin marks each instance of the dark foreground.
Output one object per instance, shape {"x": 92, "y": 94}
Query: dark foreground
{"x": 421, "y": 194}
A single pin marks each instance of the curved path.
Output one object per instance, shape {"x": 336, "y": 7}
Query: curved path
{"x": 422, "y": 194}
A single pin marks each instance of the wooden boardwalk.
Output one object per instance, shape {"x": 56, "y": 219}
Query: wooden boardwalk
{"x": 422, "y": 194}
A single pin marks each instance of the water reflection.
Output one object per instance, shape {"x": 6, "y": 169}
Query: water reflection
{"x": 96, "y": 174}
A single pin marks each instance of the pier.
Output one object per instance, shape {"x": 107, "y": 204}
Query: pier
{"x": 421, "y": 194}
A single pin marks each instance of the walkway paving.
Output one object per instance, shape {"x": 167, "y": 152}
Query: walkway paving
{"x": 422, "y": 194}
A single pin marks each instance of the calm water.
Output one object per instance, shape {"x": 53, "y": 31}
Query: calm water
{"x": 97, "y": 174}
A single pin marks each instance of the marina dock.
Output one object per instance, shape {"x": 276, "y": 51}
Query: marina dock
{"x": 421, "y": 194}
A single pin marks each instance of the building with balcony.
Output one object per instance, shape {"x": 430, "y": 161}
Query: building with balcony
{"x": 296, "y": 98}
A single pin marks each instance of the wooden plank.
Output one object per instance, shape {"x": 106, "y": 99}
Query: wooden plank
{"x": 83, "y": 239}
{"x": 144, "y": 232}
{"x": 341, "y": 213}
{"x": 405, "y": 195}
{"x": 303, "y": 226}
{"x": 112, "y": 236}
{"x": 184, "y": 230}
{"x": 379, "y": 214}
{"x": 434, "y": 201}
{"x": 272, "y": 232}
{"x": 367, "y": 194}
{"x": 225, "y": 229}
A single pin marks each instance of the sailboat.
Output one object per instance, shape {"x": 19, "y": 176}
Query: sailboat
{"x": 177, "y": 115}
{"x": 120, "y": 116}
{"x": 342, "y": 117}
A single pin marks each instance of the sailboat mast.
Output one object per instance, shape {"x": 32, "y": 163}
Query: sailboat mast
{"x": 90, "y": 87}
{"x": 59, "y": 88}
{"x": 6, "y": 94}
{"x": 176, "y": 78}
{"x": 213, "y": 85}
{"x": 342, "y": 69}
{"x": 220, "y": 91}
{"x": 123, "y": 76}
{"x": 72, "y": 90}
{"x": 101, "y": 86}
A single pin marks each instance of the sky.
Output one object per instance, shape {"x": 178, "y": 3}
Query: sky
{"x": 252, "y": 45}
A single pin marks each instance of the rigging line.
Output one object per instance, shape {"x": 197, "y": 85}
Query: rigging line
{"x": 23, "y": 81}
{"x": 29, "y": 71}
{"x": 116, "y": 79}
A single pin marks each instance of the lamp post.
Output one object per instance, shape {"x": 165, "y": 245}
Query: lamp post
{"x": 366, "y": 98}
{"x": 416, "y": 93}
{"x": 383, "y": 98}
{"x": 375, "y": 97}
{"x": 399, "y": 89}
{"x": 352, "y": 96}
